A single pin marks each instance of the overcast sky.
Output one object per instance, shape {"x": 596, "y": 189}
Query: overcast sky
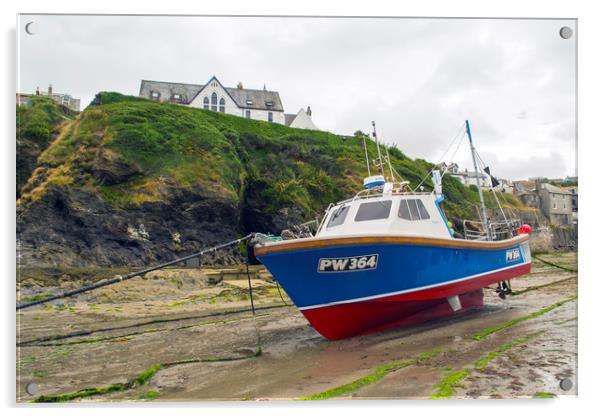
{"x": 419, "y": 79}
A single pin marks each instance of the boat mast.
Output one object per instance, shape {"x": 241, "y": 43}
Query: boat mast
{"x": 476, "y": 170}
{"x": 366, "y": 152}
{"x": 380, "y": 158}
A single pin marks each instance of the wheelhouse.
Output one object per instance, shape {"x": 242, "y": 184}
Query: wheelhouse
{"x": 391, "y": 210}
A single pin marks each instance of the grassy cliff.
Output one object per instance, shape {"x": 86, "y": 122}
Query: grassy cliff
{"x": 144, "y": 162}
{"x": 37, "y": 125}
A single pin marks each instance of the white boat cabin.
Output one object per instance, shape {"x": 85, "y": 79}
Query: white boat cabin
{"x": 387, "y": 210}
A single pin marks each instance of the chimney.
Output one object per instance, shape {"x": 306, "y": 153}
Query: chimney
{"x": 49, "y": 89}
{"x": 308, "y": 111}
{"x": 37, "y": 90}
{"x": 264, "y": 87}
{"x": 239, "y": 85}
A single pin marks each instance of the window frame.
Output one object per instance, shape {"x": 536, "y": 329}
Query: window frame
{"x": 214, "y": 101}
{"x": 222, "y": 105}
{"x": 373, "y": 203}
{"x": 342, "y": 211}
{"x": 421, "y": 211}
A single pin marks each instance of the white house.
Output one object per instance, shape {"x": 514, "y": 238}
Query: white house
{"x": 261, "y": 104}
{"x": 64, "y": 99}
{"x": 301, "y": 120}
{"x": 470, "y": 178}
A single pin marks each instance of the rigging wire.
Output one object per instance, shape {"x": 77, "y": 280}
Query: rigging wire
{"x": 491, "y": 187}
{"x": 462, "y": 129}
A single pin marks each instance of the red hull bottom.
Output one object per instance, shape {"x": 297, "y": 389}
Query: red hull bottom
{"x": 361, "y": 318}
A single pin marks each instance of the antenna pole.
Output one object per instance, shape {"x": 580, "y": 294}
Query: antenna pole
{"x": 366, "y": 152}
{"x": 389, "y": 162}
{"x": 476, "y": 169}
{"x": 380, "y": 158}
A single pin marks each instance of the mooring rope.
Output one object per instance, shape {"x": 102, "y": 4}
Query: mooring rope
{"x": 555, "y": 265}
{"x": 280, "y": 293}
{"x": 118, "y": 279}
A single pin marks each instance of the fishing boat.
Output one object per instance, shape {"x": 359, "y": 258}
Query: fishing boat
{"x": 388, "y": 257}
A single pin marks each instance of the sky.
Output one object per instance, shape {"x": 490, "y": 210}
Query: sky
{"x": 418, "y": 79}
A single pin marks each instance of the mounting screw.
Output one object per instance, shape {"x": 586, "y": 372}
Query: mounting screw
{"x": 32, "y": 389}
{"x": 566, "y": 384}
{"x": 31, "y": 28}
{"x": 566, "y": 32}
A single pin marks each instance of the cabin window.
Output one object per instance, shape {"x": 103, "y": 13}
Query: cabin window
{"x": 222, "y": 105}
{"x": 373, "y": 211}
{"x": 412, "y": 210}
{"x": 206, "y": 103}
{"x": 338, "y": 217}
{"x": 270, "y": 117}
{"x": 248, "y": 114}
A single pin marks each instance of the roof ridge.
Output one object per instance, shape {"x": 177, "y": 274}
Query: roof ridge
{"x": 171, "y": 82}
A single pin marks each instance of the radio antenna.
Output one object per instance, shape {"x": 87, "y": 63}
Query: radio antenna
{"x": 366, "y": 152}
{"x": 380, "y": 158}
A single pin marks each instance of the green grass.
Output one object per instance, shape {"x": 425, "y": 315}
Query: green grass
{"x": 371, "y": 378}
{"x": 139, "y": 380}
{"x": 266, "y": 167}
{"x": 542, "y": 395}
{"x": 488, "y": 331}
{"x": 37, "y": 296}
{"x": 452, "y": 379}
{"x": 448, "y": 383}
{"x": 146, "y": 375}
{"x": 529, "y": 289}
{"x": 37, "y": 125}
{"x": 149, "y": 395}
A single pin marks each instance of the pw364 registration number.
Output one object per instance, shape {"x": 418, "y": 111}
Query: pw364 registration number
{"x": 346, "y": 264}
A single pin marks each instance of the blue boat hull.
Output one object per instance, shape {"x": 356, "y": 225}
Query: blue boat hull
{"x": 402, "y": 281}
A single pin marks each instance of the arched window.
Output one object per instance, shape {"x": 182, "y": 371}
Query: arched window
{"x": 206, "y": 103}
{"x": 214, "y": 102}
{"x": 222, "y": 105}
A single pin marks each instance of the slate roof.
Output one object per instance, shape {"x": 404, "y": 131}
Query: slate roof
{"x": 167, "y": 89}
{"x": 555, "y": 189}
{"x": 244, "y": 98}
{"x": 288, "y": 119}
{"x": 259, "y": 99}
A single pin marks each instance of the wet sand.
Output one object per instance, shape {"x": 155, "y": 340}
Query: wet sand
{"x": 210, "y": 347}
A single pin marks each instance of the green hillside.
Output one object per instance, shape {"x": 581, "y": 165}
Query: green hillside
{"x": 133, "y": 157}
{"x": 37, "y": 125}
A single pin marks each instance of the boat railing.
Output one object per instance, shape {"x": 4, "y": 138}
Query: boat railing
{"x": 321, "y": 224}
{"x": 500, "y": 230}
{"x": 394, "y": 189}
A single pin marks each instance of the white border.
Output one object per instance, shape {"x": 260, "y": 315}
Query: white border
{"x": 590, "y": 85}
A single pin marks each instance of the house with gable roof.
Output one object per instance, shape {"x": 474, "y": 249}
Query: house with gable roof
{"x": 264, "y": 105}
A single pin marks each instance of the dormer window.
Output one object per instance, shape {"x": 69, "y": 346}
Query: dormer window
{"x": 155, "y": 95}
{"x": 249, "y": 102}
{"x": 176, "y": 97}
{"x": 269, "y": 103}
